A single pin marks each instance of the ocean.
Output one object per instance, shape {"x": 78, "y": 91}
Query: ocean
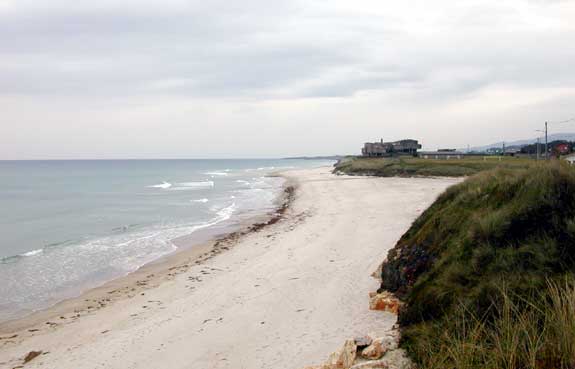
{"x": 66, "y": 226}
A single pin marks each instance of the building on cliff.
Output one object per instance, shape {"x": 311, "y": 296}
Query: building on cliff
{"x": 402, "y": 147}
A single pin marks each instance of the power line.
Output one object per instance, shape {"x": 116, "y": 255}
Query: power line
{"x": 564, "y": 121}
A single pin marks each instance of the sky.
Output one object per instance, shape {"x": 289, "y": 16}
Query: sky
{"x": 85, "y": 79}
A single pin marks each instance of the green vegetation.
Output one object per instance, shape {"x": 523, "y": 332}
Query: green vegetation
{"x": 487, "y": 273}
{"x": 534, "y": 333}
{"x": 410, "y": 166}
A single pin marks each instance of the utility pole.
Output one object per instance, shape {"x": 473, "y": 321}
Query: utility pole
{"x": 546, "y": 148}
{"x": 538, "y": 148}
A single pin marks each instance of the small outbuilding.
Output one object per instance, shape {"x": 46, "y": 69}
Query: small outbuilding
{"x": 569, "y": 158}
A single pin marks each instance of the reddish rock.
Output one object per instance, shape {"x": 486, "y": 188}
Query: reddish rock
{"x": 384, "y": 301}
{"x": 378, "y": 348}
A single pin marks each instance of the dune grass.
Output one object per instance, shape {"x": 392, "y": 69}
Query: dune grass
{"x": 480, "y": 272}
{"x": 535, "y": 333}
{"x": 410, "y": 166}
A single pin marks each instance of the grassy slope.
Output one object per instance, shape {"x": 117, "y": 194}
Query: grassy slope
{"x": 408, "y": 166}
{"x": 505, "y": 227}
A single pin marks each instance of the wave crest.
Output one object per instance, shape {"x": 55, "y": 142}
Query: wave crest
{"x": 200, "y": 200}
{"x": 164, "y": 185}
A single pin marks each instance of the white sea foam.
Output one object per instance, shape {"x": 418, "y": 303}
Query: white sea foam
{"x": 261, "y": 169}
{"x": 183, "y": 186}
{"x": 200, "y": 200}
{"x": 217, "y": 174}
{"x": 226, "y": 213}
{"x": 144, "y": 237}
{"x": 163, "y": 185}
{"x": 195, "y": 184}
{"x": 33, "y": 252}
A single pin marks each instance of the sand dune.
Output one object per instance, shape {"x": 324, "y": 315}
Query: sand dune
{"x": 282, "y": 297}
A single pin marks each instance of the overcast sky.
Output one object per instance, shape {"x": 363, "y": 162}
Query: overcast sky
{"x": 261, "y": 78}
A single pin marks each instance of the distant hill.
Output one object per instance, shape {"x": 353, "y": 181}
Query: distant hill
{"x": 519, "y": 143}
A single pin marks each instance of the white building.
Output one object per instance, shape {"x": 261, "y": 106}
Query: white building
{"x": 569, "y": 158}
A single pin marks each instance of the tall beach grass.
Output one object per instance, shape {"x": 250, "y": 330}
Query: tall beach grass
{"x": 534, "y": 333}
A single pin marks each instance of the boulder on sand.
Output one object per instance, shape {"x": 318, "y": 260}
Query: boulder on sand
{"x": 377, "y": 349}
{"x": 343, "y": 358}
{"x": 393, "y": 359}
{"x": 362, "y": 341}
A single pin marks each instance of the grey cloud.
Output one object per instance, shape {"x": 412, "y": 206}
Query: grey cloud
{"x": 256, "y": 49}
{"x": 217, "y": 54}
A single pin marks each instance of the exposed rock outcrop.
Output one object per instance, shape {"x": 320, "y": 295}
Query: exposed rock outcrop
{"x": 384, "y": 301}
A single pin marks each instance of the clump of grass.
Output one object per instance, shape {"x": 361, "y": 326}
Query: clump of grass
{"x": 534, "y": 333}
{"x": 560, "y": 320}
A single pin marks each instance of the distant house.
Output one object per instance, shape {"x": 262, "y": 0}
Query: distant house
{"x": 562, "y": 148}
{"x": 512, "y": 151}
{"x": 569, "y": 158}
{"x": 379, "y": 149}
{"x": 494, "y": 151}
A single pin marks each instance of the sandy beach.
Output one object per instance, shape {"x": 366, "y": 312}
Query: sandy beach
{"x": 282, "y": 297}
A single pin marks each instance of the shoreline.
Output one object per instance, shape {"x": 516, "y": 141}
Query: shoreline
{"x": 283, "y": 295}
{"x": 194, "y": 248}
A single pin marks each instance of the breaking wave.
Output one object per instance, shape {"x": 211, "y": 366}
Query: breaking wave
{"x": 217, "y": 174}
{"x": 193, "y": 185}
{"x": 163, "y": 185}
{"x": 184, "y": 186}
{"x": 33, "y": 252}
{"x": 10, "y": 259}
{"x": 226, "y": 213}
{"x": 200, "y": 200}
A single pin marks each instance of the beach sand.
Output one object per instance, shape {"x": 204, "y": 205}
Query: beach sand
{"x": 284, "y": 296}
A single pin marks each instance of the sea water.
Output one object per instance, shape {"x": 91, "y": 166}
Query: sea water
{"x": 70, "y": 225}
